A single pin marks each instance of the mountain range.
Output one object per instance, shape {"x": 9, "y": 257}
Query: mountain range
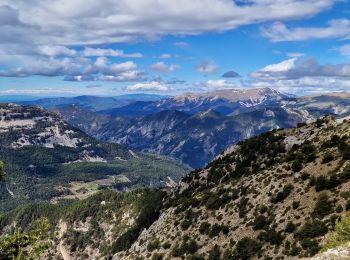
{"x": 195, "y": 128}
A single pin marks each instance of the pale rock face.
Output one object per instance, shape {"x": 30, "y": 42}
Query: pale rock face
{"x": 24, "y": 126}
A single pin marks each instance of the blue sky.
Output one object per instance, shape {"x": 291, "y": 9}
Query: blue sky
{"x": 75, "y": 47}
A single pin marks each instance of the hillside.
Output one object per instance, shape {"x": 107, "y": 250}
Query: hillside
{"x": 274, "y": 196}
{"x": 96, "y": 226}
{"x": 46, "y": 159}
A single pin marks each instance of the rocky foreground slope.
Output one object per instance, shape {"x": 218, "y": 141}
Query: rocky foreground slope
{"x": 275, "y": 196}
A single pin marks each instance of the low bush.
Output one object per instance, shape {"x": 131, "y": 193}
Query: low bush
{"x": 282, "y": 195}
{"x": 323, "y": 206}
{"x": 245, "y": 249}
{"x": 312, "y": 229}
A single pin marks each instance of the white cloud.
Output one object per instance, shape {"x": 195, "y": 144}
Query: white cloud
{"x": 148, "y": 86}
{"x": 91, "y": 52}
{"x": 75, "y": 22}
{"x": 302, "y": 75}
{"x": 162, "y": 67}
{"x": 305, "y": 85}
{"x": 49, "y": 50}
{"x": 207, "y": 67}
{"x": 295, "y": 68}
{"x": 78, "y": 69}
{"x": 279, "y": 32}
{"x": 344, "y": 50}
{"x": 215, "y": 85}
{"x": 273, "y": 71}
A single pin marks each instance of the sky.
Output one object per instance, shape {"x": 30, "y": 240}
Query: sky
{"x": 167, "y": 47}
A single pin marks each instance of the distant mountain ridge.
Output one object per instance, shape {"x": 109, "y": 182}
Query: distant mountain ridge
{"x": 223, "y": 101}
{"x": 95, "y": 103}
{"x": 174, "y": 126}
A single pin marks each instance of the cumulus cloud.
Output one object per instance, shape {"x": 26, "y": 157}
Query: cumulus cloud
{"x": 279, "y": 32}
{"x": 148, "y": 86}
{"x": 56, "y": 50}
{"x": 64, "y": 22}
{"x": 296, "y": 69}
{"x": 274, "y": 71}
{"x": 302, "y": 75}
{"x": 78, "y": 69}
{"x": 207, "y": 67}
{"x": 231, "y": 74}
{"x": 162, "y": 67}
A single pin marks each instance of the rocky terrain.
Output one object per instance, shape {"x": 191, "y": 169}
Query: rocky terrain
{"x": 275, "y": 196}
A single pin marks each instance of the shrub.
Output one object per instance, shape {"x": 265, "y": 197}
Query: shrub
{"x": 290, "y": 227}
{"x": 214, "y": 253}
{"x": 339, "y": 209}
{"x": 186, "y": 223}
{"x": 282, "y": 195}
{"x": 166, "y": 245}
{"x": 324, "y": 183}
{"x": 215, "y": 230}
{"x": 260, "y": 222}
{"x": 294, "y": 250}
{"x": 204, "y": 228}
{"x": 310, "y": 246}
{"x": 323, "y": 206}
{"x": 297, "y": 165}
{"x": 311, "y": 229}
{"x": 271, "y": 236}
{"x": 246, "y": 248}
{"x": 327, "y": 157}
{"x": 187, "y": 247}
{"x": 296, "y": 204}
{"x": 153, "y": 245}
{"x": 157, "y": 256}
{"x": 212, "y": 202}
